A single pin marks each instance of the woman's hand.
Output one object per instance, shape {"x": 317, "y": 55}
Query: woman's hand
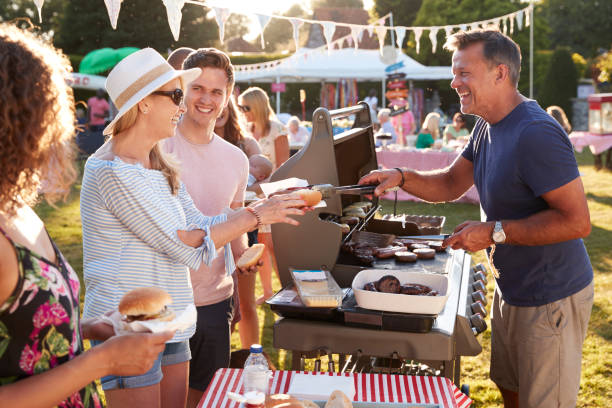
{"x": 278, "y": 208}
{"x": 193, "y": 238}
{"x": 97, "y": 329}
{"x": 251, "y": 269}
{"x": 132, "y": 354}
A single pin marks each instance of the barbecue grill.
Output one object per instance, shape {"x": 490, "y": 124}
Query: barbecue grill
{"x": 364, "y": 338}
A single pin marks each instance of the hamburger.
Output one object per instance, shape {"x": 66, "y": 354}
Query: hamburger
{"x": 148, "y": 303}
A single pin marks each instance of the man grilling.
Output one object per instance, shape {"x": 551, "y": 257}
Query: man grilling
{"x": 535, "y": 215}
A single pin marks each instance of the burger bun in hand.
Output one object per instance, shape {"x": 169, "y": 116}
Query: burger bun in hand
{"x": 146, "y": 304}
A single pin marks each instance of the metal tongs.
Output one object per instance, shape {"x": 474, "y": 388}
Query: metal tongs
{"x": 328, "y": 191}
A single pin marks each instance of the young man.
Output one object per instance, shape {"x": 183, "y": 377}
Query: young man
{"x": 535, "y": 214}
{"x": 215, "y": 174}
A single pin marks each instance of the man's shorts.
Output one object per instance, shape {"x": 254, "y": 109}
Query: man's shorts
{"x": 210, "y": 345}
{"x": 174, "y": 353}
{"x": 537, "y": 351}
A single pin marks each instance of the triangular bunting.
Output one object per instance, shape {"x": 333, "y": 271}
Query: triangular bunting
{"x": 433, "y": 37}
{"x": 463, "y": 27}
{"x": 519, "y": 19}
{"x": 511, "y": 24}
{"x": 448, "y": 30}
{"x": 39, "y": 4}
{"x": 356, "y": 32}
{"x": 328, "y": 32}
{"x": 528, "y": 16}
{"x": 417, "y": 36}
{"x": 173, "y": 8}
{"x": 113, "y": 6}
{"x": 400, "y": 33}
{"x": 221, "y": 15}
{"x": 263, "y": 22}
{"x": 296, "y": 24}
{"x": 381, "y": 32}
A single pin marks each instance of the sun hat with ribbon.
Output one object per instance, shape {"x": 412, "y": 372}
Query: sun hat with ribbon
{"x": 138, "y": 75}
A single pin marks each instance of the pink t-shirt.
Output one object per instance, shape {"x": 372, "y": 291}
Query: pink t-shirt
{"x": 97, "y": 106}
{"x": 215, "y": 175}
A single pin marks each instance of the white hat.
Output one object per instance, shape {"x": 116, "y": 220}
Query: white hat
{"x": 138, "y": 75}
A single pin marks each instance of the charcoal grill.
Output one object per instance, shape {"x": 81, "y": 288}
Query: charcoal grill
{"x": 361, "y": 335}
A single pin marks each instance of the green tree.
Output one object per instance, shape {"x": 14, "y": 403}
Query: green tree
{"x": 24, "y": 10}
{"x": 561, "y": 81}
{"x": 237, "y": 25}
{"x": 278, "y": 34}
{"x": 85, "y": 26}
{"x": 584, "y": 26}
{"x": 315, "y": 4}
{"x": 404, "y": 11}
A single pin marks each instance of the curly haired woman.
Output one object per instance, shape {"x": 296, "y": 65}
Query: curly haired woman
{"x": 42, "y": 361}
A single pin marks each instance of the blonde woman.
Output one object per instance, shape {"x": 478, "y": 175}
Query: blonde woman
{"x": 430, "y": 131}
{"x": 274, "y": 142}
{"x": 140, "y": 226}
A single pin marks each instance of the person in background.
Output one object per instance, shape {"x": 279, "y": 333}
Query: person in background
{"x": 98, "y": 111}
{"x": 559, "y": 114}
{"x": 272, "y": 137}
{"x": 42, "y": 359}
{"x": 298, "y": 134}
{"x": 534, "y": 216}
{"x": 386, "y": 126}
{"x": 456, "y": 130}
{"x": 141, "y": 227}
{"x": 404, "y": 123}
{"x": 372, "y": 101}
{"x": 228, "y": 127}
{"x": 430, "y": 131}
{"x": 260, "y": 168}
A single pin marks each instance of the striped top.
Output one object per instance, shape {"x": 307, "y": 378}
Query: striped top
{"x": 130, "y": 221}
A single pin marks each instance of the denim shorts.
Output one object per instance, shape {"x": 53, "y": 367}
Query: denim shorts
{"x": 174, "y": 353}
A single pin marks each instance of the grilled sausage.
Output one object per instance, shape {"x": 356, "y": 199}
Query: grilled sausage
{"x": 388, "y": 284}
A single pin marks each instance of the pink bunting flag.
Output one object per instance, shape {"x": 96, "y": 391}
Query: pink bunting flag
{"x": 433, "y": 37}
{"x": 381, "y": 32}
{"x": 328, "y": 32}
{"x": 296, "y": 24}
{"x": 113, "y": 6}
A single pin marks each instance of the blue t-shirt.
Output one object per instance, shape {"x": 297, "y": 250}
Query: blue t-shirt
{"x": 517, "y": 160}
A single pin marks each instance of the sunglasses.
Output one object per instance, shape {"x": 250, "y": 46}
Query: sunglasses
{"x": 176, "y": 95}
{"x": 244, "y": 108}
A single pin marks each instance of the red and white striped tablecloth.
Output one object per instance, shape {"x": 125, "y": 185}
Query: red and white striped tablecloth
{"x": 368, "y": 387}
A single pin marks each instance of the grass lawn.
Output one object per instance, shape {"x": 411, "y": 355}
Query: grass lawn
{"x": 64, "y": 225}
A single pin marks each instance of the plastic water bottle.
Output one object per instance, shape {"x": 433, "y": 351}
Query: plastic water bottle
{"x": 255, "y": 375}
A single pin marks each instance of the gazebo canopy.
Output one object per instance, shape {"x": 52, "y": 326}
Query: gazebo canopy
{"x": 317, "y": 65}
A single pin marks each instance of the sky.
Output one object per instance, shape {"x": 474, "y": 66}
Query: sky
{"x": 269, "y": 7}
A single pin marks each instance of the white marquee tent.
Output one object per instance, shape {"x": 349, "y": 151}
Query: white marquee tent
{"x": 347, "y": 63}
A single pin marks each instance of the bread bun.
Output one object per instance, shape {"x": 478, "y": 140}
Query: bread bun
{"x": 146, "y": 303}
{"x": 283, "y": 401}
{"x": 251, "y": 256}
{"x": 338, "y": 399}
{"x": 312, "y": 197}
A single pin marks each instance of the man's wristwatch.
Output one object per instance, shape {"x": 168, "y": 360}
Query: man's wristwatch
{"x": 498, "y": 236}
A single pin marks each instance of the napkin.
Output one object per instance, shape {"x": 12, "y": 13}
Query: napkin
{"x": 320, "y": 387}
{"x": 183, "y": 320}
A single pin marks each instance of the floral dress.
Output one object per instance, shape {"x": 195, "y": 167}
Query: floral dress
{"x": 39, "y": 322}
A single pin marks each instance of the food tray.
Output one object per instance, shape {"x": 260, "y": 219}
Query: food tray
{"x": 391, "y": 302}
{"x": 384, "y": 404}
{"x": 287, "y": 303}
{"x": 317, "y": 288}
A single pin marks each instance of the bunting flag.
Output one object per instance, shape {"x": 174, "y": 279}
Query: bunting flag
{"x": 433, "y": 37}
{"x": 463, "y": 27}
{"x": 39, "y": 4}
{"x": 528, "y": 15}
{"x": 174, "y": 7}
{"x": 511, "y": 25}
{"x": 381, "y": 32}
{"x": 504, "y": 25}
{"x": 400, "y": 33}
{"x": 417, "y": 37}
{"x": 356, "y": 33}
{"x": 448, "y": 30}
{"x": 221, "y": 16}
{"x": 113, "y": 6}
{"x": 296, "y": 24}
{"x": 263, "y": 20}
{"x": 328, "y": 32}
{"x": 519, "y": 19}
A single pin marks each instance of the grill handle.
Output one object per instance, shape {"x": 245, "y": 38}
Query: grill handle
{"x": 348, "y": 111}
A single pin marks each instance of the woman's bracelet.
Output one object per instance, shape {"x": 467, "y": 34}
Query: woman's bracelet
{"x": 256, "y": 214}
{"x": 401, "y": 172}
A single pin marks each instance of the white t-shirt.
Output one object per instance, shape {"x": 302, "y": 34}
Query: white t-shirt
{"x": 300, "y": 137}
